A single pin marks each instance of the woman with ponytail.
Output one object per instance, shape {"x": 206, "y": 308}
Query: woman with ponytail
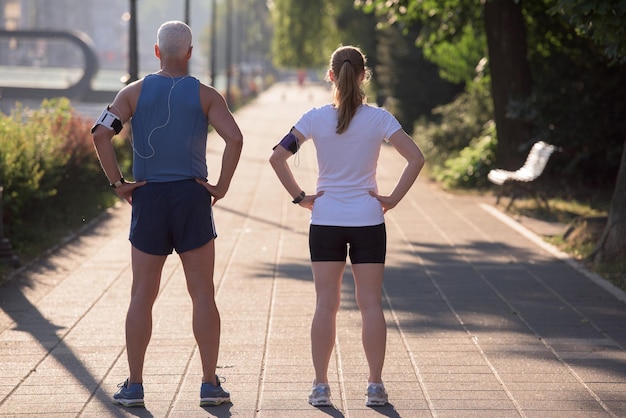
{"x": 347, "y": 213}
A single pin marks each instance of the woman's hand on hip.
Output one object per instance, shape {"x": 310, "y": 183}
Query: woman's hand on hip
{"x": 309, "y": 200}
{"x": 386, "y": 202}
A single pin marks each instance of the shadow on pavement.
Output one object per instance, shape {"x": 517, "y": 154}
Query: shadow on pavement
{"x": 219, "y": 411}
{"x": 29, "y": 319}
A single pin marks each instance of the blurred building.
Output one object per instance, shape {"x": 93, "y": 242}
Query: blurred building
{"x": 104, "y": 22}
{"x": 45, "y": 62}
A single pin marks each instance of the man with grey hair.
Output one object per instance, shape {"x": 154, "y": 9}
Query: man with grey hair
{"x": 171, "y": 199}
{"x": 174, "y": 39}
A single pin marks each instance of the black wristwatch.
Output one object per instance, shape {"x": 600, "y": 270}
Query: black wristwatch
{"x": 299, "y": 198}
{"x": 118, "y": 183}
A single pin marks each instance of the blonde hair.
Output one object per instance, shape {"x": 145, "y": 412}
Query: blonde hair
{"x": 174, "y": 39}
{"x": 347, "y": 64}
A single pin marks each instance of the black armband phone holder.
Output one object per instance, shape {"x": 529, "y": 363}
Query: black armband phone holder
{"x": 290, "y": 143}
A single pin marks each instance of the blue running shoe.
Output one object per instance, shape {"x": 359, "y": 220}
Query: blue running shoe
{"x": 129, "y": 395}
{"x": 211, "y": 395}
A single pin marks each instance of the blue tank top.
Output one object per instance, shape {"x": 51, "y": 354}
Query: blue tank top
{"x": 169, "y": 130}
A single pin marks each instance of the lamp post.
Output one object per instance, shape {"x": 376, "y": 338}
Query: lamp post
{"x": 133, "y": 57}
{"x": 187, "y": 12}
{"x": 229, "y": 63}
{"x": 6, "y": 252}
{"x": 213, "y": 53}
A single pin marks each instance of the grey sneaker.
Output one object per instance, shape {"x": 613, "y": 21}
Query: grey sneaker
{"x": 320, "y": 395}
{"x": 376, "y": 395}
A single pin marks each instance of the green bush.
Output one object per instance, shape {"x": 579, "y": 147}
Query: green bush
{"x": 469, "y": 169}
{"x": 460, "y": 144}
{"x": 29, "y": 161}
{"x": 457, "y": 123}
{"x": 53, "y": 182}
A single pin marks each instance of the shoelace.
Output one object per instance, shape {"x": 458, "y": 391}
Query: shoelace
{"x": 378, "y": 391}
{"x": 321, "y": 391}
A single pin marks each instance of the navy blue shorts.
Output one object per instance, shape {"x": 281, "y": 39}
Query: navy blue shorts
{"x": 365, "y": 244}
{"x": 171, "y": 215}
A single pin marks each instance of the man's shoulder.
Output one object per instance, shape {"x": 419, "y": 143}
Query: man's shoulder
{"x": 133, "y": 88}
{"x": 209, "y": 93}
{"x": 130, "y": 93}
{"x": 208, "y": 88}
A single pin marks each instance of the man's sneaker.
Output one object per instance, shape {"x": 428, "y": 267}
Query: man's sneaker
{"x": 376, "y": 395}
{"x": 211, "y": 395}
{"x": 129, "y": 395}
{"x": 320, "y": 395}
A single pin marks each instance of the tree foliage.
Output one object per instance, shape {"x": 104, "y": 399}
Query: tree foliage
{"x": 577, "y": 52}
{"x": 457, "y": 59}
{"x": 575, "y": 96}
{"x": 303, "y": 32}
{"x": 603, "y": 21}
{"x": 409, "y": 85}
{"x": 448, "y": 33}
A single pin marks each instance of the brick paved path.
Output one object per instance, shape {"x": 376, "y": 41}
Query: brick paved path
{"x": 483, "y": 320}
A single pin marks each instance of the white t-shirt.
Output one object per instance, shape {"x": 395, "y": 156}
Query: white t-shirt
{"x": 347, "y": 163}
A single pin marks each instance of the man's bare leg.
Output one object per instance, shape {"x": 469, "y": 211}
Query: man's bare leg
{"x": 147, "y": 270}
{"x": 199, "y": 265}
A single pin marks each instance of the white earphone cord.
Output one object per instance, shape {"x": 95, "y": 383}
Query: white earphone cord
{"x": 169, "y": 114}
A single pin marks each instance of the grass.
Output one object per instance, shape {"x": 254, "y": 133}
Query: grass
{"x": 585, "y": 220}
{"x": 561, "y": 210}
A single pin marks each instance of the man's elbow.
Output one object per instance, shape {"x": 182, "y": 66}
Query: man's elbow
{"x": 101, "y": 136}
{"x": 236, "y": 141}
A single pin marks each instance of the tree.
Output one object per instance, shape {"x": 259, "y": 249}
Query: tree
{"x": 357, "y": 28}
{"x": 503, "y": 25}
{"x": 409, "y": 84}
{"x": 510, "y": 76}
{"x": 601, "y": 21}
{"x": 302, "y": 33}
{"x": 604, "y": 21}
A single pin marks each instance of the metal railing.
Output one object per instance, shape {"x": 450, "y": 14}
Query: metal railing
{"x": 81, "y": 89}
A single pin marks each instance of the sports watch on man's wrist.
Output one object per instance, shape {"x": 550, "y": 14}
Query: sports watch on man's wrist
{"x": 118, "y": 183}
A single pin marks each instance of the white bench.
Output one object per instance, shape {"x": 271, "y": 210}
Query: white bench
{"x": 520, "y": 181}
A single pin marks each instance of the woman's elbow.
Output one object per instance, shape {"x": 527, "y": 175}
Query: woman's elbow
{"x": 274, "y": 160}
{"x": 417, "y": 160}
{"x": 421, "y": 160}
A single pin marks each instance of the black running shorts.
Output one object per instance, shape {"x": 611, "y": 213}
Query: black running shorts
{"x": 364, "y": 244}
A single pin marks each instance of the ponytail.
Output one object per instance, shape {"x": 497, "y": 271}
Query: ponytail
{"x": 348, "y": 67}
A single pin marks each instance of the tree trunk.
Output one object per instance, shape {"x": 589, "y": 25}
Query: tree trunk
{"x": 510, "y": 76}
{"x": 612, "y": 245}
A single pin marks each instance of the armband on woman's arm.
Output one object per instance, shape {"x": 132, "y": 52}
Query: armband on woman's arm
{"x": 289, "y": 142}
